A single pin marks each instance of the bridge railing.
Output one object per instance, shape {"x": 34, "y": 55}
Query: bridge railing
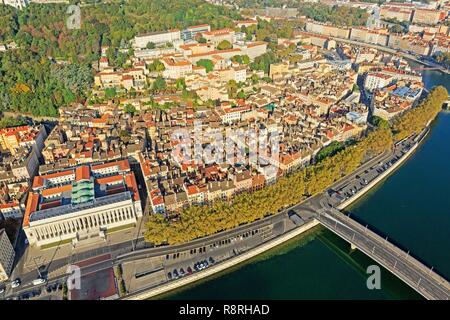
{"x": 393, "y": 257}
{"x": 400, "y": 253}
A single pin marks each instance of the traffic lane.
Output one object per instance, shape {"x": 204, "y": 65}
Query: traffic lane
{"x": 201, "y": 242}
{"x": 370, "y": 242}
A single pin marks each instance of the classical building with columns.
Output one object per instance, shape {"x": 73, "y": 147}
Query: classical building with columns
{"x": 81, "y": 203}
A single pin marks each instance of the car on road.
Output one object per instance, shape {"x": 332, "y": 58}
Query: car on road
{"x": 16, "y": 283}
{"x": 38, "y": 281}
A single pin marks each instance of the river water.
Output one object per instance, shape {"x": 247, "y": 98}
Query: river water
{"x": 411, "y": 207}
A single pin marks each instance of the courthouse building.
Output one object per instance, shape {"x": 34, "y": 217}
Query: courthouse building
{"x": 81, "y": 203}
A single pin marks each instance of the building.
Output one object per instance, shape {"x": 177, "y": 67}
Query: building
{"x": 191, "y": 32}
{"x": 171, "y": 36}
{"x": 376, "y": 80}
{"x": 402, "y": 13}
{"x": 176, "y": 69}
{"x": 81, "y": 203}
{"x": 428, "y": 16}
{"x": 278, "y": 69}
{"x": 217, "y": 36}
{"x": 14, "y": 138}
{"x": 6, "y": 256}
{"x": 18, "y": 4}
{"x": 327, "y": 30}
{"x": 10, "y": 210}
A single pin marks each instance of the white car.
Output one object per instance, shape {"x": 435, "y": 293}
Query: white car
{"x": 39, "y": 281}
{"x": 15, "y": 283}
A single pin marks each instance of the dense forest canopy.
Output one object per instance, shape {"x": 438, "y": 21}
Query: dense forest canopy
{"x": 337, "y": 15}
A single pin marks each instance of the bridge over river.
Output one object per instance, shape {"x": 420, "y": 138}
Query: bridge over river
{"x": 413, "y": 272}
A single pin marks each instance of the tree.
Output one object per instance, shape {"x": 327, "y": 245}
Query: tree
{"x": 130, "y": 109}
{"x": 396, "y": 28}
{"x": 224, "y": 45}
{"x": 180, "y": 84}
{"x": 159, "y": 84}
{"x": 110, "y": 93}
{"x": 232, "y": 88}
{"x": 156, "y": 66}
{"x": 150, "y": 45}
{"x": 208, "y": 64}
{"x": 201, "y": 40}
{"x": 6, "y": 122}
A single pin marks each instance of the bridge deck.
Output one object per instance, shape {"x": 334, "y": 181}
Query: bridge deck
{"x": 414, "y": 273}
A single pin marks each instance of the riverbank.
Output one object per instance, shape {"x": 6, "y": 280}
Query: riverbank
{"x": 385, "y": 174}
{"x": 223, "y": 266}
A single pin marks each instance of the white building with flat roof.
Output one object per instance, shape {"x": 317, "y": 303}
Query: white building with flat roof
{"x": 172, "y": 36}
{"x": 18, "y": 4}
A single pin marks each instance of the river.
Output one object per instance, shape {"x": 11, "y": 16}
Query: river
{"x": 411, "y": 207}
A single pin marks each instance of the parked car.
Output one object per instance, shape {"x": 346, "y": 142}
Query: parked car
{"x": 182, "y": 273}
{"x": 38, "y": 281}
{"x": 211, "y": 260}
{"x": 189, "y": 270}
{"x": 169, "y": 275}
{"x": 16, "y": 283}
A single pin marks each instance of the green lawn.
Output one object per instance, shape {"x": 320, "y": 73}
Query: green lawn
{"x": 127, "y": 226}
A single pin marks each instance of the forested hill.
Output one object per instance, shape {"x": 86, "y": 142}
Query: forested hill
{"x": 30, "y": 82}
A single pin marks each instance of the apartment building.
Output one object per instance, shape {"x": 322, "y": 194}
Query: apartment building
{"x": 217, "y": 36}
{"x": 171, "y": 36}
{"x": 6, "y": 256}
{"x": 428, "y": 16}
{"x": 375, "y": 80}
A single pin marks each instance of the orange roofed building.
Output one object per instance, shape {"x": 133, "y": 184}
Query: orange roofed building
{"x": 81, "y": 203}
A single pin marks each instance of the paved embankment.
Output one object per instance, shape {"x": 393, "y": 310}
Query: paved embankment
{"x": 223, "y": 265}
